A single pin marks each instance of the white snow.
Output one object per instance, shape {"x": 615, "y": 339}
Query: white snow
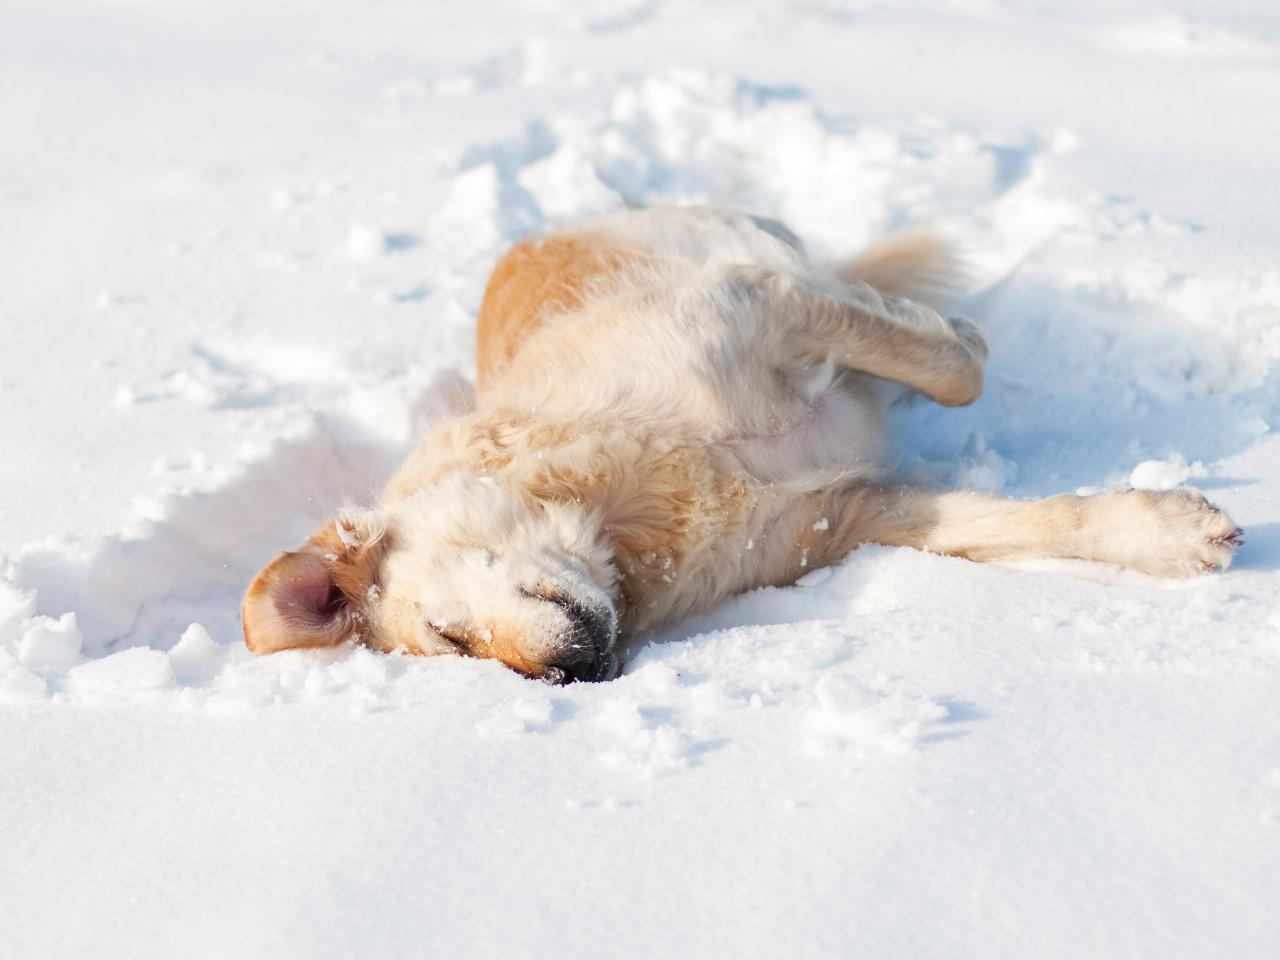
{"x": 365, "y": 242}
{"x": 130, "y": 672}
{"x": 49, "y": 645}
{"x": 1165, "y": 474}
{"x": 243, "y": 249}
{"x": 196, "y": 656}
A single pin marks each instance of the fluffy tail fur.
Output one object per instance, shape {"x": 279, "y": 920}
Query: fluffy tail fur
{"x": 916, "y": 264}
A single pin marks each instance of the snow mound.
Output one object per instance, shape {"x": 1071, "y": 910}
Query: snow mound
{"x": 1165, "y": 474}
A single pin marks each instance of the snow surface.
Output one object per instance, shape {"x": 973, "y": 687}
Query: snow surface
{"x": 243, "y": 247}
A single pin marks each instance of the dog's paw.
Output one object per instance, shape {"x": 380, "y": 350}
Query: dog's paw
{"x": 967, "y": 332}
{"x": 957, "y": 363}
{"x": 1175, "y": 533}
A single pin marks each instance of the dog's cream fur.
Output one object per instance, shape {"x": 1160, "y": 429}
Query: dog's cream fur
{"x": 676, "y": 405}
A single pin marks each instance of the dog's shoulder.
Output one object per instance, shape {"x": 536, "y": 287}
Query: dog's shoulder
{"x": 536, "y": 279}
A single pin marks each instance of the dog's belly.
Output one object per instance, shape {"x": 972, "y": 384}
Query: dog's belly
{"x": 836, "y": 432}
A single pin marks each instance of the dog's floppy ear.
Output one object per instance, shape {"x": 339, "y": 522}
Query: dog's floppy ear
{"x": 314, "y": 597}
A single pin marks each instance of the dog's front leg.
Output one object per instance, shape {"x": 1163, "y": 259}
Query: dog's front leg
{"x": 1170, "y": 533}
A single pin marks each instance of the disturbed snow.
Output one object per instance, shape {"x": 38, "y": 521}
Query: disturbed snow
{"x": 245, "y": 248}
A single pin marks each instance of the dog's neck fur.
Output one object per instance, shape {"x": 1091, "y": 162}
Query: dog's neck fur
{"x": 675, "y": 516}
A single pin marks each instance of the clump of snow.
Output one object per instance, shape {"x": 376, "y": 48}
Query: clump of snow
{"x": 365, "y": 242}
{"x": 1173, "y": 471}
{"x": 17, "y": 683}
{"x": 49, "y": 645}
{"x": 196, "y": 656}
{"x": 16, "y": 606}
{"x": 982, "y": 468}
{"x": 566, "y": 184}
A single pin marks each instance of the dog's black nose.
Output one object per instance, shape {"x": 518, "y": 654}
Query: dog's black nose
{"x": 586, "y": 654}
{"x": 586, "y": 644}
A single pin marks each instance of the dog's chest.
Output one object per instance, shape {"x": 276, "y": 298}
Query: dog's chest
{"x": 826, "y": 423}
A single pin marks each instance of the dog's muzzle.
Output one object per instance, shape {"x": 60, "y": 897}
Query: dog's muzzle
{"x": 587, "y": 649}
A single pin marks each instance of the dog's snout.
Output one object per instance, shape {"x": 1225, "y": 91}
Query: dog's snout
{"x": 590, "y": 626}
{"x": 586, "y": 650}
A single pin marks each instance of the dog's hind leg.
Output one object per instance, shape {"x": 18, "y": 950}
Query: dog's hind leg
{"x": 886, "y": 337}
{"x": 1170, "y": 533}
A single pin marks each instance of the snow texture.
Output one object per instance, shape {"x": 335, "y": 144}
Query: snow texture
{"x": 244, "y": 245}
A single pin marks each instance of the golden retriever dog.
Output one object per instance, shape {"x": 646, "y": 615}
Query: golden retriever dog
{"x": 673, "y": 406}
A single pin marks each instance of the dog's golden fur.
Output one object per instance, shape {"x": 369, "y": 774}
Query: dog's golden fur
{"x": 675, "y": 405}
{"x": 536, "y": 279}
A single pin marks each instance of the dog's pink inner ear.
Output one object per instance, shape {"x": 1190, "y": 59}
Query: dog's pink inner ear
{"x": 305, "y": 594}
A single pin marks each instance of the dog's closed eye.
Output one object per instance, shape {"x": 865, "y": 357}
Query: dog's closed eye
{"x": 544, "y": 593}
{"x": 451, "y": 635}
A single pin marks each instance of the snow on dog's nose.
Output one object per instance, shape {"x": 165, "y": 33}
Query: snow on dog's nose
{"x": 585, "y": 643}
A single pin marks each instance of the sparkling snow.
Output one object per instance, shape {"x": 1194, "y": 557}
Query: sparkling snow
{"x": 243, "y": 247}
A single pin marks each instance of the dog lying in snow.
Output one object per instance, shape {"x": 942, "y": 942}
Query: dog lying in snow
{"x": 675, "y": 405}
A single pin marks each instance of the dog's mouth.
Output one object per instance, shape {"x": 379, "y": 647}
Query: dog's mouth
{"x": 605, "y": 668}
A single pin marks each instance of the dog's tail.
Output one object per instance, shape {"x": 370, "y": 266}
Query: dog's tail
{"x": 917, "y": 264}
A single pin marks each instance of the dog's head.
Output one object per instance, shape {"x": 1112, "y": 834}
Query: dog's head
{"x": 466, "y": 566}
